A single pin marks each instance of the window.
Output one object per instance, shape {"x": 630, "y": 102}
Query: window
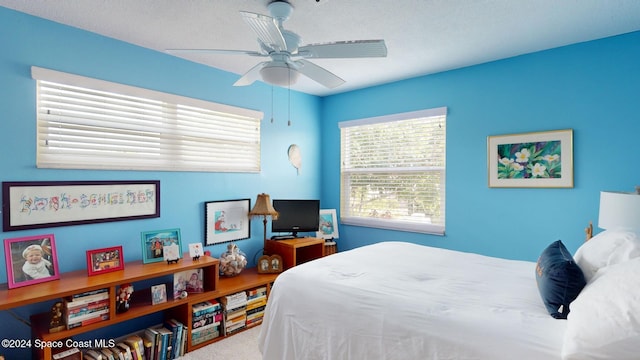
{"x": 85, "y": 123}
{"x": 393, "y": 171}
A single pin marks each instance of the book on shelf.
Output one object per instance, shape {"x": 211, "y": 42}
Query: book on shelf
{"x": 92, "y": 354}
{"x": 88, "y": 315}
{"x": 233, "y": 301}
{"x": 68, "y": 354}
{"x": 70, "y": 303}
{"x": 165, "y": 343}
{"x": 125, "y": 350}
{"x": 205, "y": 333}
{"x": 205, "y": 307}
{"x": 89, "y": 321}
{"x": 89, "y": 293}
{"x": 107, "y": 354}
{"x": 153, "y": 337}
{"x": 257, "y": 292}
{"x": 257, "y": 303}
{"x": 177, "y": 330}
{"x": 84, "y": 308}
{"x": 136, "y": 345}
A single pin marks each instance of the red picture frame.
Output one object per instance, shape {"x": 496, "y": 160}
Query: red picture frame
{"x": 105, "y": 260}
{"x": 25, "y": 266}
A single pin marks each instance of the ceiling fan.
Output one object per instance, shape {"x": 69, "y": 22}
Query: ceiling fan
{"x": 287, "y": 56}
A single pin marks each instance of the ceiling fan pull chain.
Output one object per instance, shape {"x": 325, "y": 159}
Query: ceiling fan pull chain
{"x": 272, "y": 104}
{"x": 289, "y": 95}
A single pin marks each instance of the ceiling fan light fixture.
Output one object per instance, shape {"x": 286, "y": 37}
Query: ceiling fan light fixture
{"x": 279, "y": 74}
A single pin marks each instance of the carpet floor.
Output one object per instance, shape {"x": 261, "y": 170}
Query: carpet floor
{"x": 241, "y": 346}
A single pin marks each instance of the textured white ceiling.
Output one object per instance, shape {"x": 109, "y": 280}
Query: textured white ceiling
{"x": 422, "y": 36}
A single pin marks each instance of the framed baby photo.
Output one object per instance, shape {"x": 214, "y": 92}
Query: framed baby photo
{"x": 31, "y": 260}
{"x": 100, "y": 261}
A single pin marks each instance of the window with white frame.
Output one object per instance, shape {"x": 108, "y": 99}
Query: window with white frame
{"x": 393, "y": 171}
{"x": 85, "y": 123}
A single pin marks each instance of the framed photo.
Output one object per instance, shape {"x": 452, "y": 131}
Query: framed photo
{"x": 226, "y": 221}
{"x": 104, "y": 260}
{"x": 154, "y": 243}
{"x": 190, "y": 281}
{"x": 31, "y": 205}
{"x": 531, "y": 160}
{"x": 158, "y": 294}
{"x": 31, "y": 260}
{"x": 328, "y": 228}
{"x": 270, "y": 264}
{"x": 195, "y": 250}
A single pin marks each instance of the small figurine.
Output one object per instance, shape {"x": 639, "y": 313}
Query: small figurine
{"x": 124, "y": 297}
{"x": 56, "y": 323}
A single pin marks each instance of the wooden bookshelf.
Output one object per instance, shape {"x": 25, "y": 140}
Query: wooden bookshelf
{"x": 77, "y": 282}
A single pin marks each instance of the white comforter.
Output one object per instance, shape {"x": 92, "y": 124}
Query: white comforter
{"x": 396, "y": 300}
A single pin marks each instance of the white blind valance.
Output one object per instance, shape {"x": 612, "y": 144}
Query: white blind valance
{"x": 85, "y": 123}
{"x": 393, "y": 171}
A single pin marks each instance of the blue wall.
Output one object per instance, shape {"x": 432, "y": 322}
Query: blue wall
{"x": 34, "y": 41}
{"x": 590, "y": 87}
{"x": 28, "y": 41}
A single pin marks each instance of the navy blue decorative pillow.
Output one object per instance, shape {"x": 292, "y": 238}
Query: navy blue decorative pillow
{"x": 559, "y": 279}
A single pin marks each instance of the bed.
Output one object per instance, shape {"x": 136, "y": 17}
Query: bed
{"x": 397, "y": 300}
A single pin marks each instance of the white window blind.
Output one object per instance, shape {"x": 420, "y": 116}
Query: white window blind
{"x": 393, "y": 171}
{"x": 85, "y": 123}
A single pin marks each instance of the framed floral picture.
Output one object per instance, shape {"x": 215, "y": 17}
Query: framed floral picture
{"x": 31, "y": 260}
{"x": 536, "y": 160}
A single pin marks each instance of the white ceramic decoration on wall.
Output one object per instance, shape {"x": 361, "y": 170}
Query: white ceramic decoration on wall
{"x": 295, "y": 157}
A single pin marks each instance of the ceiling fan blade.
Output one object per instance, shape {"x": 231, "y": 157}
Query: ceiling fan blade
{"x": 266, "y": 29}
{"x": 250, "y": 76}
{"x": 344, "y": 49}
{"x": 217, "y": 51}
{"x": 319, "y": 74}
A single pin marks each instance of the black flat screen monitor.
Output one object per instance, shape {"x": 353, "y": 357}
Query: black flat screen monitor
{"x": 296, "y": 216}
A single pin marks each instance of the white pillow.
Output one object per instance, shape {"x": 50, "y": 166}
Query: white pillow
{"x": 607, "y": 248}
{"x": 604, "y": 322}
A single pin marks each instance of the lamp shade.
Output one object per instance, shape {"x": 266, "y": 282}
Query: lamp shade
{"x": 279, "y": 73}
{"x": 619, "y": 211}
{"x": 263, "y": 207}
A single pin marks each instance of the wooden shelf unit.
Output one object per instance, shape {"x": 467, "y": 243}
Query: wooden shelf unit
{"x": 295, "y": 251}
{"x": 246, "y": 280}
{"x": 77, "y": 282}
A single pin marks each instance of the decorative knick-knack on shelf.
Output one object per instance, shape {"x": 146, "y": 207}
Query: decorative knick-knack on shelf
{"x": 232, "y": 261}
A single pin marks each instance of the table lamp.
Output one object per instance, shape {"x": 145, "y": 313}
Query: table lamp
{"x": 619, "y": 211}
{"x": 264, "y": 208}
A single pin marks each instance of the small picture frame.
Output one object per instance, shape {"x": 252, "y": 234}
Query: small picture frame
{"x": 270, "y": 264}
{"x": 154, "y": 243}
{"x": 158, "y": 294}
{"x": 31, "y": 260}
{"x": 328, "y": 227}
{"x": 195, "y": 251}
{"x": 100, "y": 261}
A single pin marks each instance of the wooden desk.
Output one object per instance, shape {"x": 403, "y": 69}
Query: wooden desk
{"x": 295, "y": 251}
